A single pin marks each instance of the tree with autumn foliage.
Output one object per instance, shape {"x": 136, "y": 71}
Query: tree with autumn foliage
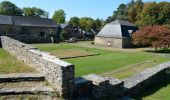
{"x": 156, "y": 36}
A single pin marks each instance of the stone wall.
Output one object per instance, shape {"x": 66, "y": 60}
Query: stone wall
{"x": 59, "y": 73}
{"x": 114, "y": 42}
{"x": 139, "y": 82}
{"x": 117, "y": 43}
{"x": 98, "y": 87}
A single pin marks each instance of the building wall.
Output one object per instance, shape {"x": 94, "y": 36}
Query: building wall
{"x": 9, "y": 30}
{"x": 117, "y": 43}
{"x": 126, "y": 43}
{"x": 114, "y": 42}
{"x": 29, "y": 34}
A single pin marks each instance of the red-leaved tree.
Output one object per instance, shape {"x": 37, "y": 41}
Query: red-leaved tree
{"x": 156, "y": 36}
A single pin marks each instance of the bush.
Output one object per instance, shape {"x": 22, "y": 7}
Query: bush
{"x": 155, "y": 36}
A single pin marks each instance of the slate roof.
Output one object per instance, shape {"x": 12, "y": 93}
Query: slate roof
{"x": 117, "y": 29}
{"x": 5, "y": 20}
{"x": 121, "y": 22}
{"x": 63, "y": 25}
{"x": 27, "y": 21}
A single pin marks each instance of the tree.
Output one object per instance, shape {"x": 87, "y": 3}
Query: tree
{"x": 109, "y": 19}
{"x": 149, "y": 14}
{"x": 8, "y": 8}
{"x": 98, "y": 24}
{"x": 75, "y": 21}
{"x": 121, "y": 12}
{"x": 134, "y": 11}
{"x": 87, "y": 23}
{"x": 164, "y": 13}
{"x": 59, "y": 16}
{"x": 34, "y": 12}
{"x": 156, "y": 36}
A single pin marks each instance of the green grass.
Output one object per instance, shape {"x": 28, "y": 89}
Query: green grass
{"x": 131, "y": 70}
{"x": 156, "y": 92}
{"x": 105, "y": 62}
{"x": 9, "y": 64}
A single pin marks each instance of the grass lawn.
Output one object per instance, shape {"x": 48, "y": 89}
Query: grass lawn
{"x": 156, "y": 92}
{"x": 105, "y": 62}
{"x": 9, "y": 64}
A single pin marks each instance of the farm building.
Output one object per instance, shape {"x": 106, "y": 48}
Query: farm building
{"x": 71, "y": 31}
{"x": 116, "y": 34}
{"x": 35, "y": 27}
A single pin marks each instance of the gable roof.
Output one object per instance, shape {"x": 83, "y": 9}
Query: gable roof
{"x": 121, "y": 22}
{"x": 117, "y": 29}
{"x": 5, "y": 20}
{"x": 27, "y": 21}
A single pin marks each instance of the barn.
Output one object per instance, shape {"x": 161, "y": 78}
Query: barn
{"x": 116, "y": 34}
{"x": 29, "y": 29}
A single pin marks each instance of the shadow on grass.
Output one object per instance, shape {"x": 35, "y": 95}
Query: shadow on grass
{"x": 159, "y": 51}
{"x": 151, "y": 90}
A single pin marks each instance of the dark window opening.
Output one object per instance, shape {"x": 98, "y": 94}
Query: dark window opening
{"x": 42, "y": 34}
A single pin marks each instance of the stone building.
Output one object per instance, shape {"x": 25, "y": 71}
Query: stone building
{"x": 18, "y": 26}
{"x": 71, "y": 31}
{"x": 116, "y": 34}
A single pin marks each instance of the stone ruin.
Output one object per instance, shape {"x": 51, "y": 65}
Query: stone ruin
{"x": 61, "y": 75}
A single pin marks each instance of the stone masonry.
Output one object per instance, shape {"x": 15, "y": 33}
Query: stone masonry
{"x": 59, "y": 73}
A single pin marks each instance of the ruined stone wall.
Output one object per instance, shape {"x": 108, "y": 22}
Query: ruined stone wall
{"x": 59, "y": 73}
{"x": 139, "y": 82}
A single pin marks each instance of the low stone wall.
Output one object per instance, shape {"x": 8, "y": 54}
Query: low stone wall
{"x": 59, "y": 73}
{"x": 98, "y": 87}
{"x": 143, "y": 80}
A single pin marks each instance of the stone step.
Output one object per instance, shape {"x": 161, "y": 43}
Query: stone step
{"x": 18, "y": 77}
{"x": 25, "y": 88}
{"x": 33, "y": 90}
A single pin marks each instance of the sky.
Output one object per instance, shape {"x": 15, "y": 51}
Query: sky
{"x": 80, "y": 8}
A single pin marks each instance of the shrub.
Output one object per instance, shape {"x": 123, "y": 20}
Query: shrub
{"x": 155, "y": 36}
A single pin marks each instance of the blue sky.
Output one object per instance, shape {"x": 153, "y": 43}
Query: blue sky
{"x": 79, "y": 8}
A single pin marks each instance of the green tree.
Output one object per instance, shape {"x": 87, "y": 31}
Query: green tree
{"x": 75, "y": 21}
{"x": 134, "y": 11}
{"x": 164, "y": 13}
{"x": 109, "y": 19}
{"x": 87, "y": 23}
{"x": 8, "y": 8}
{"x": 98, "y": 24}
{"x": 59, "y": 16}
{"x": 149, "y": 14}
{"x": 35, "y": 12}
{"x": 121, "y": 12}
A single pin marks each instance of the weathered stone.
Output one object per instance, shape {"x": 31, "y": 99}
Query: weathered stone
{"x": 17, "y": 77}
{"x": 104, "y": 87}
{"x": 83, "y": 86}
{"x": 148, "y": 77}
{"x": 57, "y": 72}
{"x": 25, "y": 90}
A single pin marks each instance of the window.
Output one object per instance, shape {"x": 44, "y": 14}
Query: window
{"x": 42, "y": 34}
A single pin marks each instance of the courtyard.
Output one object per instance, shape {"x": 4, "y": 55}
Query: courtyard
{"x": 118, "y": 63}
{"x": 9, "y": 64}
